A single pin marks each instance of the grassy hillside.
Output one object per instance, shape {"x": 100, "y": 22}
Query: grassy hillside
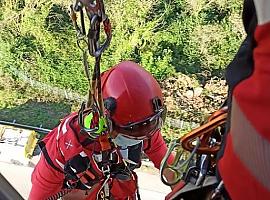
{"x": 38, "y": 46}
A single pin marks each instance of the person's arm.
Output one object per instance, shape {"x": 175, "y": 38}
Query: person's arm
{"x": 156, "y": 149}
{"x": 46, "y": 181}
{"x": 247, "y": 144}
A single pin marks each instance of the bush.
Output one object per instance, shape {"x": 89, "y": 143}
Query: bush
{"x": 165, "y": 37}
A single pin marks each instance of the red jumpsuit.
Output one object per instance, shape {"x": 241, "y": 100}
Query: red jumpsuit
{"x": 245, "y": 165}
{"x": 63, "y": 143}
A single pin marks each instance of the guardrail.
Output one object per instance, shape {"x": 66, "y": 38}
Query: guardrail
{"x": 37, "y": 129}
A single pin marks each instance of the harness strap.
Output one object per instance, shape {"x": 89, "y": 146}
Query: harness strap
{"x": 42, "y": 146}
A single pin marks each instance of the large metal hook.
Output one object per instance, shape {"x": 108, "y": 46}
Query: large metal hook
{"x": 96, "y": 14}
{"x": 179, "y": 165}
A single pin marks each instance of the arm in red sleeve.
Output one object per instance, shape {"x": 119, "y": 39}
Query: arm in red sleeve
{"x": 157, "y": 149}
{"x": 46, "y": 181}
{"x": 249, "y": 136}
{"x": 256, "y": 106}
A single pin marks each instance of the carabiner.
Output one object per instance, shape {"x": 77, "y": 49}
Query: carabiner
{"x": 178, "y": 167}
{"x": 96, "y": 14}
{"x": 81, "y": 33}
{"x": 95, "y": 49}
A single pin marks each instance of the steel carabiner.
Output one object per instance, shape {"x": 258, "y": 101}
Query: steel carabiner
{"x": 179, "y": 165}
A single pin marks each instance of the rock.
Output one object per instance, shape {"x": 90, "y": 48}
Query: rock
{"x": 170, "y": 103}
{"x": 189, "y": 94}
{"x": 198, "y": 91}
{"x": 188, "y": 99}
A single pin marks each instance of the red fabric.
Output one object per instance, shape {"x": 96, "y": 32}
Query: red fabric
{"x": 176, "y": 189}
{"x": 238, "y": 181}
{"x": 253, "y": 94}
{"x": 123, "y": 189}
{"x": 253, "y": 97}
{"x": 46, "y": 181}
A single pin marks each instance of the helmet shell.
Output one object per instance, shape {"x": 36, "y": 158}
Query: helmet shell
{"x": 133, "y": 88}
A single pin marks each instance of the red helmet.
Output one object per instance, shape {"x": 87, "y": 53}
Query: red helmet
{"x": 134, "y": 99}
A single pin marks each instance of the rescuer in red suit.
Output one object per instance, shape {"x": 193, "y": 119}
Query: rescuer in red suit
{"x": 72, "y": 161}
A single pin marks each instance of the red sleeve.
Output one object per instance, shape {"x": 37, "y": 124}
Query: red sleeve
{"x": 247, "y": 145}
{"x": 256, "y": 106}
{"x": 157, "y": 149}
{"x": 46, "y": 181}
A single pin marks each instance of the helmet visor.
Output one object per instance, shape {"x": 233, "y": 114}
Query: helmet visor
{"x": 143, "y": 129}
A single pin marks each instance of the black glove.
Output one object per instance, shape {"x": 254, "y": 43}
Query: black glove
{"x": 79, "y": 174}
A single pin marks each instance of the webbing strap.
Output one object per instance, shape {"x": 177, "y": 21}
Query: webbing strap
{"x": 47, "y": 157}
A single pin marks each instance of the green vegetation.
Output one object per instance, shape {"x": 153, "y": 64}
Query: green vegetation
{"x": 197, "y": 38}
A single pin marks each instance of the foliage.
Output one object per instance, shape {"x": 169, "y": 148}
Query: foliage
{"x": 200, "y": 34}
{"x": 197, "y": 38}
{"x": 164, "y": 36}
{"x": 39, "y": 40}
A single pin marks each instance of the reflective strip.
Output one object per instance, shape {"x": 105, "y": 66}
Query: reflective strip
{"x": 60, "y": 150}
{"x": 97, "y": 157}
{"x": 58, "y": 132}
{"x": 60, "y": 164}
{"x": 83, "y": 154}
{"x": 64, "y": 130}
{"x": 64, "y": 127}
{"x": 95, "y": 163}
{"x": 251, "y": 148}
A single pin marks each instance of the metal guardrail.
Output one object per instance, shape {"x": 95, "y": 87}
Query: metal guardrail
{"x": 63, "y": 93}
{"x": 37, "y": 129}
{"x": 174, "y": 123}
{"x": 180, "y": 124}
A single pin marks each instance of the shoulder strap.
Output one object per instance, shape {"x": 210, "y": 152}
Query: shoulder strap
{"x": 47, "y": 157}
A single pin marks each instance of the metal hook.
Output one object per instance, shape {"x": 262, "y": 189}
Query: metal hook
{"x": 178, "y": 167}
